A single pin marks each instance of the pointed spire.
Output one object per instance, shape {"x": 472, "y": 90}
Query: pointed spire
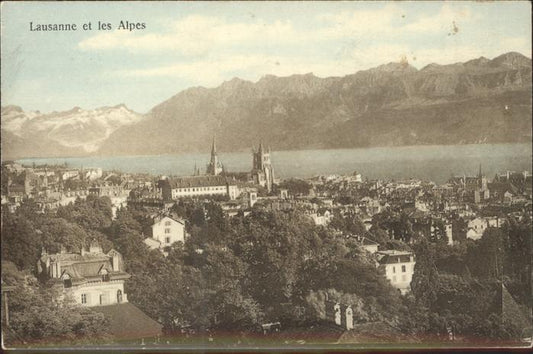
{"x": 261, "y": 146}
{"x": 214, "y": 146}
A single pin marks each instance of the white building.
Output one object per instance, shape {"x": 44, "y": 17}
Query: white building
{"x": 197, "y": 186}
{"x": 91, "y": 175}
{"x": 69, "y": 174}
{"x": 399, "y": 267}
{"x": 322, "y": 217}
{"x": 165, "y": 232}
{"x": 92, "y": 278}
{"x": 477, "y": 226}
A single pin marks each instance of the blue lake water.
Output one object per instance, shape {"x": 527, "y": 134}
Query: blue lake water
{"x": 434, "y": 163}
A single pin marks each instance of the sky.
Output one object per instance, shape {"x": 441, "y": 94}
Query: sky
{"x": 186, "y": 44}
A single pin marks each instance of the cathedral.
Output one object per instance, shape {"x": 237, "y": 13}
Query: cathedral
{"x": 262, "y": 171}
{"x": 215, "y": 167}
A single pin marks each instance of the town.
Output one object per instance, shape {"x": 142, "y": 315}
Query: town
{"x": 161, "y": 260}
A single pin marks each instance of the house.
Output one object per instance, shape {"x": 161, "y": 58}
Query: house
{"x": 165, "y": 231}
{"x": 96, "y": 279}
{"x": 68, "y": 174}
{"x": 366, "y": 243}
{"x": 92, "y": 277}
{"x": 477, "y": 226}
{"x": 108, "y": 190}
{"x": 322, "y": 217}
{"x": 399, "y": 267}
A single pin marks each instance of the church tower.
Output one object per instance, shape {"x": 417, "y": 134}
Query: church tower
{"x": 214, "y": 168}
{"x": 262, "y": 171}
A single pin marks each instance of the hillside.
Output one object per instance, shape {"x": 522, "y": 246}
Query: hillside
{"x": 393, "y": 104}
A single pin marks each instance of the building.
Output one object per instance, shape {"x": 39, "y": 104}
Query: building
{"x": 399, "y": 267}
{"x": 215, "y": 167}
{"x": 473, "y": 189}
{"x": 165, "y": 232}
{"x": 92, "y": 278}
{"x": 322, "y": 217}
{"x": 477, "y": 226}
{"x": 366, "y": 243}
{"x": 262, "y": 170}
{"x": 108, "y": 190}
{"x": 197, "y": 186}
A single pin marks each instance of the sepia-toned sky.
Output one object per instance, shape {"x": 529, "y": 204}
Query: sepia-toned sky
{"x": 189, "y": 44}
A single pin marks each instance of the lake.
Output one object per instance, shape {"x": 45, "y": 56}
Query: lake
{"x": 434, "y": 163}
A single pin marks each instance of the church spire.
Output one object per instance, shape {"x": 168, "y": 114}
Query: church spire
{"x": 215, "y": 166}
{"x": 214, "y": 147}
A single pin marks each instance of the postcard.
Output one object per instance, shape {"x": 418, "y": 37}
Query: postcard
{"x": 266, "y": 175}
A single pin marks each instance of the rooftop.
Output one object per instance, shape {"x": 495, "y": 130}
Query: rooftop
{"x": 197, "y": 181}
{"x": 128, "y": 322}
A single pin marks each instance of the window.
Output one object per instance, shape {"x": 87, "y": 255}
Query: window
{"x": 119, "y": 296}
{"x": 404, "y": 277}
{"x": 167, "y": 223}
{"x": 167, "y": 231}
{"x": 394, "y": 279}
{"x": 403, "y": 269}
{"x": 67, "y": 283}
{"x": 394, "y": 269}
{"x": 83, "y": 298}
{"x": 167, "y": 239}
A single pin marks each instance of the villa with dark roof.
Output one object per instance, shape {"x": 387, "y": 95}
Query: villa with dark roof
{"x": 92, "y": 277}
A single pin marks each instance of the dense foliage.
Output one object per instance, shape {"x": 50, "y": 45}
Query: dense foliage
{"x": 38, "y": 314}
{"x": 235, "y": 274}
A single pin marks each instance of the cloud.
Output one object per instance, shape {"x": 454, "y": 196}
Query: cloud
{"x": 196, "y": 35}
{"x": 391, "y": 21}
{"x": 445, "y": 20}
{"x": 214, "y": 49}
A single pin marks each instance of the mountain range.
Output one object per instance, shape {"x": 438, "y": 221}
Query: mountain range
{"x": 478, "y": 101}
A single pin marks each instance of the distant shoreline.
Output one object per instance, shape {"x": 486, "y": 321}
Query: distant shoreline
{"x": 222, "y": 151}
{"x": 428, "y": 162}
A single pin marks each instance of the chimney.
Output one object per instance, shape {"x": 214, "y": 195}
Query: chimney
{"x": 58, "y": 268}
{"x": 115, "y": 262}
{"x": 52, "y": 269}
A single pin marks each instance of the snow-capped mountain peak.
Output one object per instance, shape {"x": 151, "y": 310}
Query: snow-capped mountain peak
{"x": 75, "y": 128}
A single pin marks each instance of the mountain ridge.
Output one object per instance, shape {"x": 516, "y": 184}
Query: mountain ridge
{"x": 480, "y": 100}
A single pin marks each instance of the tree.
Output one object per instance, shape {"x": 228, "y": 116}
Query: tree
{"x": 21, "y": 244}
{"x": 92, "y": 214}
{"x": 485, "y": 257}
{"x": 424, "y": 281}
{"x": 38, "y": 314}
